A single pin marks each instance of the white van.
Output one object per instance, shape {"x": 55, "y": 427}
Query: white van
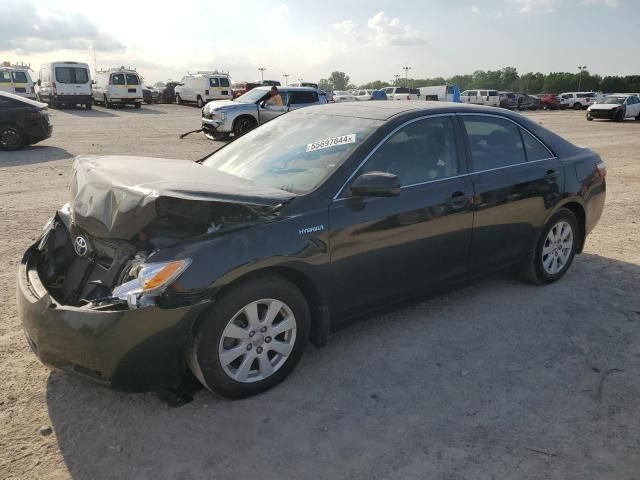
{"x": 441, "y": 93}
{"x": 16, "y": 79}
{"x": 203, "y": 86}
{"x": 65, "y": 83}
{"x": 481, "y": 97}
{"x": 117, "y": 86}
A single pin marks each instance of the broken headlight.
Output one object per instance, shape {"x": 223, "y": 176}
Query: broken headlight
{"x": 151, "y": 280}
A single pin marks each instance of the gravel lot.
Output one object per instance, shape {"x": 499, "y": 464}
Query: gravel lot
{"x": 497, "y": 380}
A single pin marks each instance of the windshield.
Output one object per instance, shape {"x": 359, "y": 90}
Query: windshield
{"x": 20, "y": 77}
{"x": 614, "y": 100}
{"x": 295, "y": 152}
{"x": 252, "y": 96}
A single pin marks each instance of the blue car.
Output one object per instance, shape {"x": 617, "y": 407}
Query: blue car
{"x": 378, "y": 95}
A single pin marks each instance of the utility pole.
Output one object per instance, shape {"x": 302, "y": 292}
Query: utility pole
{"x": 286, "y": 79}
{"x": 395, "y": 81}
{"x": 582, "y": 68}
{"x": 262, "y": 69}
{"x": 406, "y": 76}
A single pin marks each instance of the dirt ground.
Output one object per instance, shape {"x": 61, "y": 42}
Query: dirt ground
{"x": 499, "y": 380}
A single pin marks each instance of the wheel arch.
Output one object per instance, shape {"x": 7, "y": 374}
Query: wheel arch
{"x": 240, "y": 117}
{"x": 317, "y": 301}
{"x": 576, "y": 206}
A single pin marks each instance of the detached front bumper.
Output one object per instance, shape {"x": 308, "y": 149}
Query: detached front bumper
{"x": 603, "y": 114}
{"x": 213, "y": 126}
{"x": 130, "y": 350}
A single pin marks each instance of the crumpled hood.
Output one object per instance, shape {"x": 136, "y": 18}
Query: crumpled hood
{"x": 116, "y": 196}
{"x": 229, "y": 105}
{"x": 604, "y": 106}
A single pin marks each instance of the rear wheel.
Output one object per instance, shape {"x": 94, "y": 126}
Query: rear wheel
{"x": 199, "y": 102}
{"x": 178, "y": 100}
{"x": 577, "y": 106}
{"x": 555, "y": 249}
{"x": 88, "y": 106}
{"x": 244, "y": 125}
{"x": 138, "y": 105}
{"x": 11, "y": 137}
{"x": 106, "y": 102}
{"x": 252, "y": 338}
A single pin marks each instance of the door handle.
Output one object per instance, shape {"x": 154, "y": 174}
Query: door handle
{"x": 457, "y": 200}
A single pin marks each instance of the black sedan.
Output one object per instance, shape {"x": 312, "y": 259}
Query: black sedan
{"x": 228, "y": 266}
{"x": 22, "y": 122}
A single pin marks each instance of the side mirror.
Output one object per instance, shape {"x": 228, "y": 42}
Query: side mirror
{"x": 376, "y": 184}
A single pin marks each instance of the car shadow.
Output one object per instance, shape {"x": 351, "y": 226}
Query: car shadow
{"x": 32, "y": 155}
{"x": 498, "y": 366}
{"x": 83, "y": 112}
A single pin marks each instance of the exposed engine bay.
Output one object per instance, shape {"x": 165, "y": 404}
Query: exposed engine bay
{"x": 96, "y": 247}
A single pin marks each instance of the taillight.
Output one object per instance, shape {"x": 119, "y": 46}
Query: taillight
{"x": 601, "y": 168}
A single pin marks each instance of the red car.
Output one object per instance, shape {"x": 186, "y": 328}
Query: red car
{"x": 240, "y": 88}
{"x": 549, "y": 101}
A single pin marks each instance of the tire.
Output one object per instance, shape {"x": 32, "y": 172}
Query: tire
{"x": 88, "y": 106}
{"x": 106, "y": 102}
{"x": 11, "y": 137}
{"x": 638, "y": 118}
{"x": 53, "y": 103}
{"x": 244, "y": 125}
{"x": 199, "y": 102}
{"x": 242, "y": 374}
{"x": 577, "y": 106}
{"x": 589, "y": 117}
{"x": 138, "y": 105}
{"x": 178, "y": 100}
{"x": 544, "y": 264}
{"x": 619, "y": 116}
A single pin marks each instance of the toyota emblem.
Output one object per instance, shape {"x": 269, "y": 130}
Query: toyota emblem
{"x": 81, "y": 246}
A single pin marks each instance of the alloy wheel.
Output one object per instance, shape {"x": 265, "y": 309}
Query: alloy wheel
{"x": 10, "y": 137}
{"x": 257, "y": 341}
{"x": 557, "y": 248}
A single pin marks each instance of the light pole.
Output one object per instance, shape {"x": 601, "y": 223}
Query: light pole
{"x": 396, "y": 77}
{"x": 286, "y": 79}
{"x": 582, "y": 68}
{"x": 406, "y": 76}
{"x": 262, "y": 69}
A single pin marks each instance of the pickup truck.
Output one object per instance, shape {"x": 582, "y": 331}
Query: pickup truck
{"x": 402, "y": 93}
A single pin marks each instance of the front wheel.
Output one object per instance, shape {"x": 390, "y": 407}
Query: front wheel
{"x": 555, "y": 249}
{"x": 252, "y": 338}
{"x": 244, "y": 125}
{"x": 589, "y": 117}
{"x": 138, "y": 105}
{"x": 11, "y": 137}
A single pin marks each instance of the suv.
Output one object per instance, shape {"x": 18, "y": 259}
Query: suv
{"x": 578, "y": 100}
{"x": 239, "y": 116}
{"x": 508, "y": 100}
{"x": 549, "y": 101}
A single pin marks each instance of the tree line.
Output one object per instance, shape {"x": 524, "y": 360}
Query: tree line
{"x": 505, "y": 79}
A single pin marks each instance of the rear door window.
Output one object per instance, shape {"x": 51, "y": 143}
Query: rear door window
{"x": 132, "y": 79}
{"x": 494, "y": 142}
{"x": 5, "y": 77}
{"x": 71, "y": 75}
{"x": 20, "y": 77}
{"x": 301, "y": 98}
{"x": 214, "y": 82}
{"x": 117, "y": 79}
{"x": 224, "y": 82}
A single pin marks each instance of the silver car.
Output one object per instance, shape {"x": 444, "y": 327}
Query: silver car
{"x": 239, "y": 116}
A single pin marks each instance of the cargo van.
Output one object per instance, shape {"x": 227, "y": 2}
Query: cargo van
{"x": 117, "y": 86}
{"x": 65, "y": 83}
{"x": 203, "y": 86}
{"x": 481, "y": 97}
{"x": 17, "y": 80}
{"x": 441, "y": 93}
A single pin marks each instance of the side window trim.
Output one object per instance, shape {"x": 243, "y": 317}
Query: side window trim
{"x": 520, "y": 127}
{"x": 462, "y": 165}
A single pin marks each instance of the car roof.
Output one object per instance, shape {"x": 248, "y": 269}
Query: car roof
{"x": 21, "y": 99}
{"x": 288, "y": 89}
{"x": 387, "y": 110}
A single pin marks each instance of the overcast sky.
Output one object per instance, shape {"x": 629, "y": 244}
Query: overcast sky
{"x": 367, "y": 40}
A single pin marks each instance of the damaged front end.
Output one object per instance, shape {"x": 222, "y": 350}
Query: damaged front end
{"x": 94, "y": 294}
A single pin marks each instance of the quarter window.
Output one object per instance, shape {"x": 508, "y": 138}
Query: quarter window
{"x": 421, "y": 151}
{"x": 535, "y": 149}
{"x": 494, "y": 142}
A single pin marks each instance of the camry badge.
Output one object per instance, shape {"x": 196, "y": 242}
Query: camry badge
{"x": 81, "y": 246}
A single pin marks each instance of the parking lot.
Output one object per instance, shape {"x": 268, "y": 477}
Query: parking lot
{"x": 499, "y": 379}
